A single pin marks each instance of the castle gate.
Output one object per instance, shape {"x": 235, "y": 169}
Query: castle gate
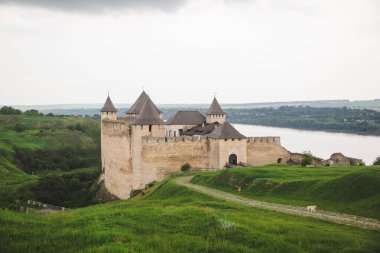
{"x": 232, "y": 159}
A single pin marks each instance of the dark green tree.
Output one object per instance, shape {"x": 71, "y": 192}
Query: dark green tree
{"x": 7, "y": 110}
{"x": 377, "y": 161}
{"x": 33, "y": 112}
{"x": 307, "y": 159}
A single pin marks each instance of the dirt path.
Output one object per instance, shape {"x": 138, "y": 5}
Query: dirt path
{"x": 347, "y": 219}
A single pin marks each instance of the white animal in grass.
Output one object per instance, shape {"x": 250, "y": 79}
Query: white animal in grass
{"x": 311, "y": 209}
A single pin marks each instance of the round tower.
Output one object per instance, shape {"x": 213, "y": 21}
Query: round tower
{"x": 108, "y": 111}
{"x": 215, "y": 113}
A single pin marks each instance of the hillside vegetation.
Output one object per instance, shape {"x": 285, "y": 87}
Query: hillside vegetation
{"x": 170, "y": 218}
{"x": 354, "y": 190}
{"x": 51, "y": 159}
{"x": 55, "y": 160}
{"x": 357, "y": 121}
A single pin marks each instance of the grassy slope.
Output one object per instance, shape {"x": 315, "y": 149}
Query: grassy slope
{"x": 41, "y": 138}
{"x": 354, "y": 190}
{"x": 13, "y": 181}
{"x": 174, "y": 219}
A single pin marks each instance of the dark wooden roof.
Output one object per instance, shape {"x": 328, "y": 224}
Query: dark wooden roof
{"x": 186, "y": 118}
{"x": 226, "y": 131}
{"x": 108, "y": 106}
{"x": 215, "y": 108}
{"x": 201, "y": 129}
{"x": 148, "y": 115}
{"x": 139, "y": 103}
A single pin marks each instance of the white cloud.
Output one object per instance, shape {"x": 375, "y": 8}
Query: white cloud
{"x": 247, "y": 52}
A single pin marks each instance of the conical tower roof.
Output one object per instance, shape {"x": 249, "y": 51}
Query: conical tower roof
{"x": 108, "y": 106}
{"x": 215, "y": 108}
{"x": 139, "y": 103}
{"x": 225, "y": 131}
{"x": 148, "y": 115}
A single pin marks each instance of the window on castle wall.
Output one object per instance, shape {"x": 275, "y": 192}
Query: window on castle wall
{"x": 225, "y": 139}
{"x": 175, "y": 133}
{"x": 142, "y": 127}
{"x": 150, "y": 128}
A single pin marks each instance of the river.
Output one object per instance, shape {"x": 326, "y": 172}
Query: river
{"x": 320, "y": 144}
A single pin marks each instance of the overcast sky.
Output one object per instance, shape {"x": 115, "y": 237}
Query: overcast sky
{"x": 74, "y": 51}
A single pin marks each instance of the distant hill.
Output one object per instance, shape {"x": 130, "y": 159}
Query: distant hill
{"x": 357, "y": 117}
{"x": 94, "y": 108}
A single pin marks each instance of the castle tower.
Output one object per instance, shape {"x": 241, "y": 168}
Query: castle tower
{"x": 149, "y": 120}
{"x": 137, "y": 106}
{"x": 215, "y": 113}
{"x": 108, "y": 111}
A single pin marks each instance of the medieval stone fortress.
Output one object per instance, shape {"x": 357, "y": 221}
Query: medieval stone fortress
{"x": 140, "y": 147}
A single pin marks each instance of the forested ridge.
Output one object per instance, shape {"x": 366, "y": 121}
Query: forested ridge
{"x": 358, "y": 121}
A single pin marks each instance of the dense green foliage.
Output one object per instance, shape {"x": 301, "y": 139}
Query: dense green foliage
{"x": 354, "y": 190}
{"x": 377, "y": 161}
{"x": 307, "y": 158}
{"x": 62, "y": 153}
{"x": 174, "y": 219}
{"x": 347, "y": 120}
{"x": 185, "y": 167}
{"x": 7, "y": 110}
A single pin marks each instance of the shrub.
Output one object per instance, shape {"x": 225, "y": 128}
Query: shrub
{"x": 377, "y": 161}
{"x": 307, "y": 158}
{"x": 185, "y": 167}
{"x": 33, "y": 112}
{"x": 19, "y": 128}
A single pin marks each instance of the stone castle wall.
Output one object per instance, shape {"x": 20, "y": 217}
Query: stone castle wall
{"x": 116, "y": 149}
{"x": 228, "y": 147}
{"x": 266, "y": 150}
{"x": 165, "y": 155}
{"x": 133, "y": 156}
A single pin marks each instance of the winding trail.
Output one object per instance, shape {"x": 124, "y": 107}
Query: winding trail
{"x": 352, "y": 220}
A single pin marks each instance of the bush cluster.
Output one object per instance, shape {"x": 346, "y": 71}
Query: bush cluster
{"x": 185, "y": 167}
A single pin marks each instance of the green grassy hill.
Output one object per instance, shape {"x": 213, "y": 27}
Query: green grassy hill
{"x": 51, "y": 159}
{"x": 55, "y": 160}
{"x": 171, "y": 218}
{"x": 354, "y": 190}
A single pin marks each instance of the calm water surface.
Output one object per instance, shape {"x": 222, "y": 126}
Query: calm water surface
{"x": 320, "y": 144}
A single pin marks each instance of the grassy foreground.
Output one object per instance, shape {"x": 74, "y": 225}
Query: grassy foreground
{"x": 353, "y": 190}
{"x": 174, "y": 219}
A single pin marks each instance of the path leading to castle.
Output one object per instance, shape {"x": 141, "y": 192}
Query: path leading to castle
{"x": 347, "y": 219}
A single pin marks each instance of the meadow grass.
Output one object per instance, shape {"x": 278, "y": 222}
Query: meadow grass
{"x": 353, "y": 190}
{"x": 172, "y": 218}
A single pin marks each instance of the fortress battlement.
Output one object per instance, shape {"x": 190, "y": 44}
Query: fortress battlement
{"x": 267, "y": 139}
{"x": 114, "y": 125}
{"x": 148, "y": 139}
